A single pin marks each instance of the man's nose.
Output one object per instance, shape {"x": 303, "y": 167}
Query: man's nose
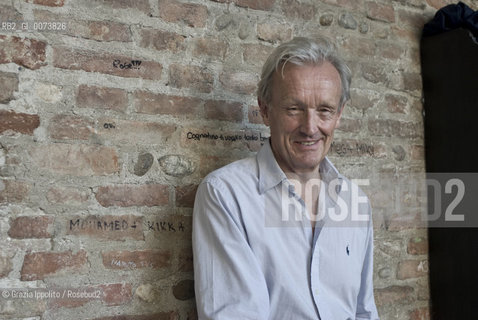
{"x": 310, "y": 123}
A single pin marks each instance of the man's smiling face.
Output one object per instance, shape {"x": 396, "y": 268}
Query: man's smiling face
{"x": 302, "y": 115}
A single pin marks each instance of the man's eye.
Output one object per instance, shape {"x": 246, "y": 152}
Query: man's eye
{"x": 326, "y": 113}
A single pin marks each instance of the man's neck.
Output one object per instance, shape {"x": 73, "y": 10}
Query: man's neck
{"x": 303, "y": 177}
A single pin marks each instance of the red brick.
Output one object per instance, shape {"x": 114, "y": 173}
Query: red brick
{"x": 350, "y": 4}
{"x": 140, "y": 5}
{"x": 66, "y": 195}
{"x": 255, "y": 4}
{"x": 389, "y": 128}
{"x": 171, "y": 315}
{"x": 412, "y": 81}
{"x": 111, "y": 294}
{"x": 12, "y": 191}
{"x": 96, "y": 30}
{"x": 117, "y": 294}
{"x": 420, "y": 314}
{"x": 380, "y": 11}
{"x": 117, "y": 65}
{"x": 254, "y": 115}
{"x": 239, "y": 82}
{"x": 417, "y": 105}
{"x": 8, "y": 85}
{"x": 49, "y": 3}
{"x": 38, "y": 265}
{"x": 256, "y": 54}
{"x": 161, "y": 40}
{"x": 409, "y": 35}
{"x": 66, "y": 127}
{"x": 350, "y": 125}
{"x": 105, "y": 31}
{"x": 107, "y": 227}
{"x": 396, "y": 103}
{"x": 296, "y": 10}
{"x": 417, "y": 246}
{"x": 185, "y": 195}
{"x": 361, "y": 100}
{"x": 101, "y": 98}
{"x": 394, "y": 295}
{"x": 31, "y": 227}
{"x": 223, "y": 110}
{"x": 18, "y": 122}
{"x": 391, "y": 51}
{"x": 133, "y": 195}
{"x": 412, "y": 19}
{"x": 193, "y": 15}
{"x": 274, "y": 32}
{"x": 79, "y": 160}
{"x": 408, "y": 269}
{"x": 130, "y": 260}
{"x": 154, "y": 103}
{"x": 210, "y": 47}
{"x": 6, "y": 265}
{"x": 193, "y": 77}
{"x": 417, "y": 152}
{"x": 361, "y": 47}
{"x": 134, "y": 132}
{"x": 28, "y": 53}
{"x": 209, "y": 163}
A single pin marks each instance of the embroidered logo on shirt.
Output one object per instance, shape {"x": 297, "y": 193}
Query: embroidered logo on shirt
{"x": 347, "y": 250}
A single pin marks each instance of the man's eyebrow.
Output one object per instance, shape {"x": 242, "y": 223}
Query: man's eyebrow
{"x": 327, "y": 105}
{"x": 294, "y": 102}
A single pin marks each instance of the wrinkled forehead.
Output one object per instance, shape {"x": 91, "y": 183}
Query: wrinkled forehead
{"x": 312, "y": 79}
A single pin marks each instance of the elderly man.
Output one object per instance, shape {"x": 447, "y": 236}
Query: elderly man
{"x": 282, "y": 235}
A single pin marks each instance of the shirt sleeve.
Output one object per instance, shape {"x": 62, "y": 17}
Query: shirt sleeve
{"x": 229, "y": 283}
{"x": 366, "y": 308}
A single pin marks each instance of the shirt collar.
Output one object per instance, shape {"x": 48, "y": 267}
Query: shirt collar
{"x": 328, "y": 172}
{"x": 270, "y": 174}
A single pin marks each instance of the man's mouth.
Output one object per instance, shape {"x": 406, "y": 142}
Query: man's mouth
{"x": 307, "y": 143}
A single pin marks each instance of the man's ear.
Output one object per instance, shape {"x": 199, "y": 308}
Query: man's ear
{"x": 264, "y": 108}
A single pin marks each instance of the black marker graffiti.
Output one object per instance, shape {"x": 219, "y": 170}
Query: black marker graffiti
{"x": 134, "y": 64}
{"x": 165, "y": 226}
{"x": 109, "y": 126}
{"x": 234, "y": 137}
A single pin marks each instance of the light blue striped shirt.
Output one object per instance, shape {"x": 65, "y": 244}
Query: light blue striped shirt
{"x": 257, "y": 257}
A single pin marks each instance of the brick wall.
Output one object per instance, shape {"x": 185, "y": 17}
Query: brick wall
{"x": 108, "y": 125}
